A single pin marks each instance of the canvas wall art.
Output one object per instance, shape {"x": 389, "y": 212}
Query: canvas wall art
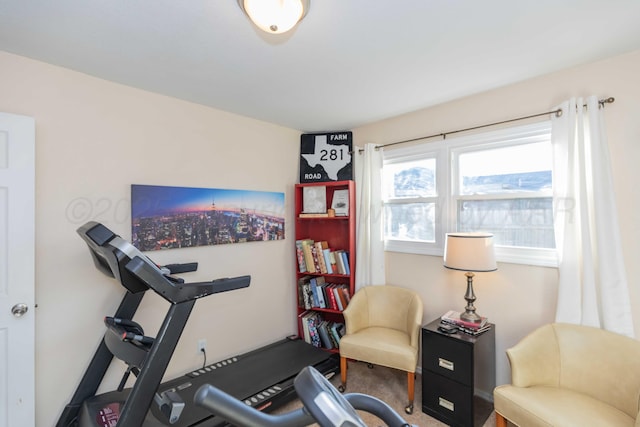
{"x": 181, "y": 217}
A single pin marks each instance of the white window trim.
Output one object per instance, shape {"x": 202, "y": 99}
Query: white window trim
{"x": 443, "y": 151}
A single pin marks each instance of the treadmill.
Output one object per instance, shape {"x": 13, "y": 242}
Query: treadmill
{"x": 262, "y": 379}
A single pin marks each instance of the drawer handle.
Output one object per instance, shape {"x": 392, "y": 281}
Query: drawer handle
{"x": 446, "y": 364}
{"x": 446, "y": 404}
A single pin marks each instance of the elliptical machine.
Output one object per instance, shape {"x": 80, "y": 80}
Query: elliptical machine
{"x": 323, "y": 404}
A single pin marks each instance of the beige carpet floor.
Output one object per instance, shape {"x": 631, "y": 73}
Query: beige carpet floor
{"x": 390, "y": 386}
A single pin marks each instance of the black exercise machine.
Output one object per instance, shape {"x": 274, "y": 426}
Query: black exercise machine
{"x": 323, "y": 404}
{"x": 149, "y": 403}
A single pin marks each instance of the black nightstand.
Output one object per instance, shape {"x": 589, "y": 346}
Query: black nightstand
{"x": 458, "y": 375}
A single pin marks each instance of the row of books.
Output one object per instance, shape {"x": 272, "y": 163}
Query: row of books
{"x": 452, "y": 317}
{"x": 320, "y": 332}
{"x": 318, "y": 257}
{"x": 315, "y": 292}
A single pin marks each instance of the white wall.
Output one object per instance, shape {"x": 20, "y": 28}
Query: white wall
{"x": 519, "y": 298}
{"x": 93, "y": 140}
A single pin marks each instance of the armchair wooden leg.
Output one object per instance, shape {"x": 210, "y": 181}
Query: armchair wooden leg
{"x": 343, "y": 374}
{"x": 411, "y": 386}
{"x": 500, "y": 420}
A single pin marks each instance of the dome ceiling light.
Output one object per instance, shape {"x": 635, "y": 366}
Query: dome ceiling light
{"x": 275, "y": 16}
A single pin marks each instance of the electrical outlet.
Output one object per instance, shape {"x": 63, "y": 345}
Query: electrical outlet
{"x": 202, "y": 345}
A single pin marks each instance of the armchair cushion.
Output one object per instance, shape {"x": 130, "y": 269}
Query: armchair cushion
{"x": 392, "y": 348}
{"x": 571, "y": 375}
{"x": 551, "y": 406}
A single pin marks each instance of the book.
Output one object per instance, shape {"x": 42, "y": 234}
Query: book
{"x": 301, "y": 291}
{"x": 337, "y": 331}
{"x": 332, "y": 260}
{"x": 475, "y": 332}
{"x": 314, "y": 199}
{"x": 453, "y": 317}
{"x": 335, "y": 291}
{"x": 469, "y": 331}
{"x": 340, "y": 262}
{"x": 310, "y": 321}
{"x": 345, "y": 261}
{"x": 319, "y": 283}
{"x": 315, "y": 301}
{"x": 340, "y": 297}
{"x": 308, "y": 256}
{"x": 327, "y": 259}
{"x": 302, "y": 266}
{"x": 305, "y": 297}
{"x": 303, "y": 326}
{"x": 332, "y": 336}
{"x": 323, "y": 331}
{"x": 313, "y": 215}
{"x": 340, "y": 202}
{"x": 345, "y": 291}
{"x": 320, "y": 255}
{"x": 333, "y": 303}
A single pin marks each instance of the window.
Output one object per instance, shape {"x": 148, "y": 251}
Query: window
{"x": 411, "y": 195}
{"x": 499, "y": 182}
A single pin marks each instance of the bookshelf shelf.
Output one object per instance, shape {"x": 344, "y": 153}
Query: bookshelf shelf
{"x": 335, "y": 218}
{"x": 325, "y": 262}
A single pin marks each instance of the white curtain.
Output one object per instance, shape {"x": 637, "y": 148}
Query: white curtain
{"x": 369, "y": 237}
{"x": 593, "y": 286}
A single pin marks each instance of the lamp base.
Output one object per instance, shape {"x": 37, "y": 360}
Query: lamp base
{"x": 470, "y": 314}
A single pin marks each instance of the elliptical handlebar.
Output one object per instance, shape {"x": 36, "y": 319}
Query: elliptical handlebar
{"x": 323, "y": 404}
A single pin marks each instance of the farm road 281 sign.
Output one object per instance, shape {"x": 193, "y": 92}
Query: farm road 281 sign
{"x": 326, "y": 157}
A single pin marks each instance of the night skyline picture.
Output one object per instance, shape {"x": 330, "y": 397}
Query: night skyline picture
{"x": 181, "y": 217}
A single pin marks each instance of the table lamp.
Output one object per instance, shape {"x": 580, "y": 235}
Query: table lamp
{"x": 470, "y": 252}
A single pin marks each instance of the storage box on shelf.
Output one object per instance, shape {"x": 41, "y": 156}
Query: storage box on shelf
{"x": 325, "y": 260}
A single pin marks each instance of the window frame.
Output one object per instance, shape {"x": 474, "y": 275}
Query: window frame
{"x": 445, "y": 153}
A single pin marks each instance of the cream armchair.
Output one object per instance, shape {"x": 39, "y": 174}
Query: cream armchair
{"x": 383, "y": 328}
{"x": 570, "y": 375}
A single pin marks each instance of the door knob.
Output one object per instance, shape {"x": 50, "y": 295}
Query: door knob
{"x": 19, "y": 309}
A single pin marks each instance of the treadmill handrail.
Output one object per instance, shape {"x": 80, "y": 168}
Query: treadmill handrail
{"x": 180, "y": 292}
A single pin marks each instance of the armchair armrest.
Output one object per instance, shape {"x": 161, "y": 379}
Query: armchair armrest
{"x": 535, "y": 360}
{"x": 414, "y": 321}
{"x": 356, "y": 315}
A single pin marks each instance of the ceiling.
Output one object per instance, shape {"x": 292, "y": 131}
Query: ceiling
{"x": 348, "y": 63}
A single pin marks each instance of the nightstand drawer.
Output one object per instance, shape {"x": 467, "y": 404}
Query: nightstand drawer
{"x": 448, "y": 357}
{"x": 447, "y": 400}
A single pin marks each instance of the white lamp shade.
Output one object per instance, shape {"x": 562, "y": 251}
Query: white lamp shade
{"x": 470, "y": 252}
{"x": 275, "y": 16}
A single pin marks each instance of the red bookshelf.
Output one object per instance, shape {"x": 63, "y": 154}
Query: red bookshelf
{"x": 337, "y": 234}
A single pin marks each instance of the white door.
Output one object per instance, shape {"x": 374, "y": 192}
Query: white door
{"x": 17, "y": 234}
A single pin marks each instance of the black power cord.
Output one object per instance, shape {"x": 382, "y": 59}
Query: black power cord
{"x": 204, "y": 354}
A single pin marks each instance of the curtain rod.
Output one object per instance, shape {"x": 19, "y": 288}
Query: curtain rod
{"x": 557, "y": 112}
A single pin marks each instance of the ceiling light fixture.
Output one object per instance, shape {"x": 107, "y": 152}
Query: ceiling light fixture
{"x": 275, "y": 16}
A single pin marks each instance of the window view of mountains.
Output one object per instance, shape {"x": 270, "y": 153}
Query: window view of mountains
{"x": 527, "y": 181}
{"x": 519, "y": 221}
{"x": 421, "y": 182}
